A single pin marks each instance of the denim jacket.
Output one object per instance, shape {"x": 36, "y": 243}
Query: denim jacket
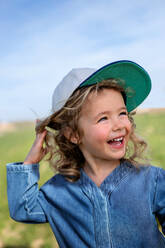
{"x": 121, "y": 213}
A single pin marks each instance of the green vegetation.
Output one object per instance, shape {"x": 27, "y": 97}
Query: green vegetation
{"x": 151, "y": 128}
{"x": 15, "y": 145}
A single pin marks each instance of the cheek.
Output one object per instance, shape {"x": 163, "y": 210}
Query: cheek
{"x": 97, "y": 133}
{"x": 93, "y": 134}
{"x": 129, "y": 127}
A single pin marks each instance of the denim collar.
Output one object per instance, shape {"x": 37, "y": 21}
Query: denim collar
{"x": 110, "y": 182}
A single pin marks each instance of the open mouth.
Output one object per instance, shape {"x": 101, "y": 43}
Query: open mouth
{"x": 116, "y": 141}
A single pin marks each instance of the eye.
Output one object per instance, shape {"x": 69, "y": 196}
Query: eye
{"x": 124, "y": 113}
{"x": 103, "y": 119}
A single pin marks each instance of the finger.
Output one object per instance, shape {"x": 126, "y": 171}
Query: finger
{"x": 41, "y": 136}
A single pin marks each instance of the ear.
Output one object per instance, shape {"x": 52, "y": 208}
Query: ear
{"x": 70, "y": 135}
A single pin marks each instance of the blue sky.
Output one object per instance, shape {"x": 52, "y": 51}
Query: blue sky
{"x": 42, "y": 40}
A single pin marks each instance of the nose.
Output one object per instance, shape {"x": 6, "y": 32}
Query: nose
{"x": 117, "y": 124}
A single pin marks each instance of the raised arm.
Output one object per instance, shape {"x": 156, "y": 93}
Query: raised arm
{"x": 22, "y": 187}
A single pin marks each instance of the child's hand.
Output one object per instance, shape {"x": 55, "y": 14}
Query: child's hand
{"x": 37, "y": 151}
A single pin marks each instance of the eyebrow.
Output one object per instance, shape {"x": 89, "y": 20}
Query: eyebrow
{"x": 108, "y": 112}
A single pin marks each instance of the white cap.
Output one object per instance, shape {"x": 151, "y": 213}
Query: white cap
{"x": 134, "y": 76}
{"x": 68, "y": 85}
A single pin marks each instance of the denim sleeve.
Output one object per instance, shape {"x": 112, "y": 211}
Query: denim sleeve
{"x": 23, "y": 193}
{"x": 159, "y": 201}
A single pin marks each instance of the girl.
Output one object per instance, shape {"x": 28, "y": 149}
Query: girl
{"x": 101, "y": 195}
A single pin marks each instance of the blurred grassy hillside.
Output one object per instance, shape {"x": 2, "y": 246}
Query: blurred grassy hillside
{"x": 15, "y": 144}
{"x": 151, "y": 126}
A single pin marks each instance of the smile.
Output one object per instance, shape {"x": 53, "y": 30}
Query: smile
{"x": 117, "y": 142}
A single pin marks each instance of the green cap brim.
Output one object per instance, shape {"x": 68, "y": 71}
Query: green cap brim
{"x": 134, "y": 76}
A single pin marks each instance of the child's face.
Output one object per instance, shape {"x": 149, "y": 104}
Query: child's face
{"x": 104, "y": 126}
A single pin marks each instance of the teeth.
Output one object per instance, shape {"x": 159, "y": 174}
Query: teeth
{"x": 118, "y": 139}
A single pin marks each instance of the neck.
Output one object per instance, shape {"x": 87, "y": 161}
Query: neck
{"x": 99, "y": 170}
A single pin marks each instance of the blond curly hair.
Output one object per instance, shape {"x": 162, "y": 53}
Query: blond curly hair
{"x": 66, "y": 157}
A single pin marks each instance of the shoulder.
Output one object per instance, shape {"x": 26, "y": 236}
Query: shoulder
{"x": 58, "y": 183}
{"x": 148, "y": 168}
{"x": 54, "y": 188}
{"x": 58, "y": 190}
{"x": 153, "y": 173}
{"x": 149, "y": 171}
